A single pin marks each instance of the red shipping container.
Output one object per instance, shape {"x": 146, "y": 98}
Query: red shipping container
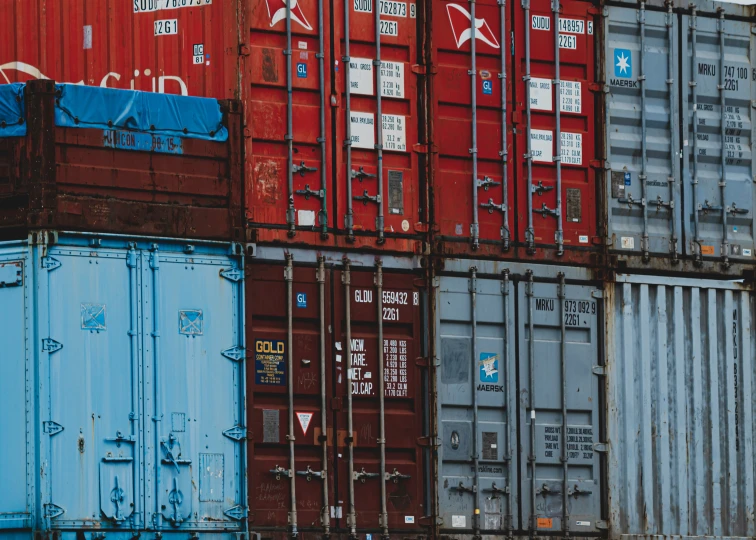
{"x": 300, "y": 115}
{"x": 564, "y": 189}
{"x": 188, "y": 47}
{"x": 300, "y": 337}
{"x": 480, "y": 169}
{"x": 470, "y": 93}
{"x": 106, "y": 180}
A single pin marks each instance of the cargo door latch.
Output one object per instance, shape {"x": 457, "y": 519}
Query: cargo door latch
{"x": 395, "y": 476}
{"x": 364, "y": 475}
{"x": 464, "y": 489}
{"x": 53, "y": 510}
{"x": 309, "y": 473}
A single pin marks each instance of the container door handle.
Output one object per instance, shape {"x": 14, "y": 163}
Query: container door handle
{"x": 396, "y": 476}
{"x": 116, "y": 497}
{"x": 463, "y": 488}
{"x": 577, "y": 491}
{"x": 309, "y": 473}
{"x": 363, "y": 475}
{"x": 175, "y": 497}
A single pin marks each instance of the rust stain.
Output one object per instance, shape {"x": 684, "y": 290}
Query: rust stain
{"x": 266, "y": 181}
{"x": 269, "y": 66}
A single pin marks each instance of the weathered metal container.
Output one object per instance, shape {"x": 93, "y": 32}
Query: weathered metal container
{"x": 336, "y": 445}
{"x": 680, "y": 407}
{"x": 322, "y": 170}
{"x": 495, "y": 194}
{"x": 518, "y": 400}
{"x": 187, "y": 47}
{"x": 125, "y": 383}
{"x": 679, "y": 169}
{"x": 81, "y": 158}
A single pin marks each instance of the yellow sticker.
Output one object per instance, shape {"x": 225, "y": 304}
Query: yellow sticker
{"x": 707, "y": 250}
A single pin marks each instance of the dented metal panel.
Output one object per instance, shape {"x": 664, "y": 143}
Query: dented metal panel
{"x": 680, "y": 407}
{"x": 505, "y": 398}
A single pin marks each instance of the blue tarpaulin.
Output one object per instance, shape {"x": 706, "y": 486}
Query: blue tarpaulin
{"x": 147, "y": 112}
{"x": 12, "y": 117}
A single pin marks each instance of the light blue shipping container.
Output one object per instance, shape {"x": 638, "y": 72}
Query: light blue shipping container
{"x": 122, "y": 387}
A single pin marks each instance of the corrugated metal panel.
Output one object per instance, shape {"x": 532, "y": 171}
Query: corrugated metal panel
{"x": 17, "y": 472}
{"x": 642, "y": 132}
{"x": 500, "y": 367}
{"x": 137, "y": 383}
{"x": 304, "y": 321}
{"x": 680, "y": 408}
{"x": 124, "y": 44}
{"x": 717, "y": 58}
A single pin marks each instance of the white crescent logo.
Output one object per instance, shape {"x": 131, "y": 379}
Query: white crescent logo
{"x": 482, "y": 30}
{"x": 280, "y": 14}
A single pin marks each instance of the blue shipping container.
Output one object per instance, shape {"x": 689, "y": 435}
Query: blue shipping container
{"x": 122, "y": 383}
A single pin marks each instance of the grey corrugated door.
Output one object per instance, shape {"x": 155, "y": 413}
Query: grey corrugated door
{"x": 543, "y": 392}
{"x": 718, "y": 130}
{"x": 485, "y": 427}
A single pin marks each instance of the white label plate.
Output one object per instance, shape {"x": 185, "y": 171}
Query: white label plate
{"x": 542, "y": 145}
{"x": 363, "y": 130}
{"x": 394, "y": 132}
{"x": 571, "y": 97}
{"x": 392, "y": 79}
{"x": 459, "y": 522}
{"x": 361, "y": 76}
{"x": 540, "y": 95}
{"x": 572, "y": 148}
{"x": 567, "y": 41}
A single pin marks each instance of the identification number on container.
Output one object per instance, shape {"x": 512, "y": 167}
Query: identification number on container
{"x": 389, "y": 28}
{"x": 166, "y": 27}
{"x": 389, "y": 8}
{"x": 146, "y": 6}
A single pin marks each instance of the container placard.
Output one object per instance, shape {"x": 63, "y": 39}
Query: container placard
{"x": 395, "y": 373}
{"x": 392, "y": 79}
{"x": 571, "y": 97}
{"x": 270, "y": 362}
{"x": 572, "y": 148}
{"x": 361, "y": 76}
{"x": 394, "y": 136}
{"x": 540, "y": 95}
{"x": 363, "y": 130}
{"x": 542, "y": 145}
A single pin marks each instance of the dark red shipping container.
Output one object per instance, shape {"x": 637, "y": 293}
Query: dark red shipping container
{"x": 309, "y": 300}
{"x": 75, "y": 179}
{"x": 307, "y": 185}
{"x": 480, "y": 175}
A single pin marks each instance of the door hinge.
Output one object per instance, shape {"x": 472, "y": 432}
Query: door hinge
{"x": 418, "y": 69}
{"x": 237, "y": 512}
{"x": 236, "y": 433}
{"x": 599, "y": 370}
{"x": 600, "y": 447}
{"x": 429, "y": 521}
{"x": 49, "y": 345}
{"x": 50, "y": 264}
{"x": 232, "y": 274}
{"x": 235, "y": 353}
{"x": 602, "y": 525}
{"x": 52, "y": 428}
{"x": 597, "y": 294}
{"x": 425, "y": 148}
{"x": 244, "y": 49}
{"x": 433, "y": 442}
{"x": 53, "y": 511}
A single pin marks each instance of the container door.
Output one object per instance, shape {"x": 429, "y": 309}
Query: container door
{"x": 16, "y": 474}
{"x": 718, "y": 62}
{"x": 559, "y": 407}
{"x": 93, "y": 415}
{"x": 289, "y": 188}
{"x": 379, "y": 115}
{"x": 477, "y": 424}
{"x": 383, "y": 323}
{"x": 556, "y": 146}
{"x": 192, "y": 360}
{"x": 474, "y": 183}
{"x": 642, "y": 133}
{"x": 306, "y": 363}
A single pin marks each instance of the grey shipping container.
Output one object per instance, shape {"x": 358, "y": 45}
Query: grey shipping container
{"x": 518, "y": 413}
{"x": 679, "y": 129}
{"x": 123, "y": 387}
{"x": 681, "y": 407}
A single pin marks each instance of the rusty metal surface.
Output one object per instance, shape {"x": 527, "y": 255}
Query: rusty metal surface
{"x": 70, "y": 179}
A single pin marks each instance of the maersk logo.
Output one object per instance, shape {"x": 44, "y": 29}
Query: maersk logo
{"x": 489, "y": 367}
{"x": 623, "y": 66}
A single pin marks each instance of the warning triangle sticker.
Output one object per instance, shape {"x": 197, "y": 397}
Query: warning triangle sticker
{"x": 304, "y": 420}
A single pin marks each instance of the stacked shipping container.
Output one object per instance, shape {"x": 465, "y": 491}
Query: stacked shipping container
{"x": 438, "y": 197}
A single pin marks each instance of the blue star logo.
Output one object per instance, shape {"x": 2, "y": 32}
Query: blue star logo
{"x": 623, "y": 63}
